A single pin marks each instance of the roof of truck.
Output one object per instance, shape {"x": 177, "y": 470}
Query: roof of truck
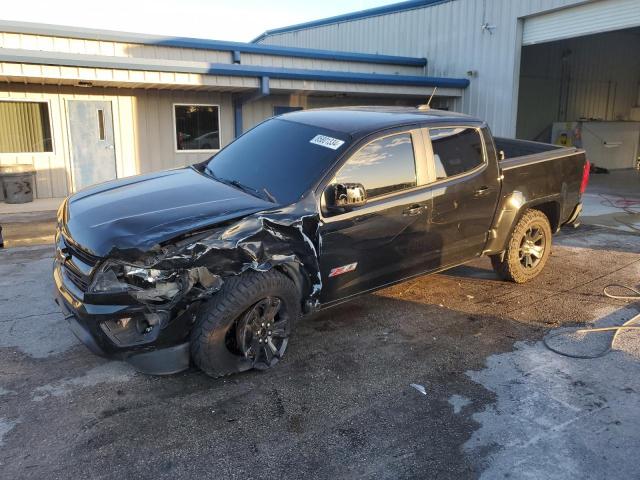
{"x": 365, "y": 120}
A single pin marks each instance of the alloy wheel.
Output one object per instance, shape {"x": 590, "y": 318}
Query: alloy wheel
{"x": 262, "y": 333}
{"x": 532, "y": 247}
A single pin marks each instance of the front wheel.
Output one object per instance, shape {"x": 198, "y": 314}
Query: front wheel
{"x": 246, "y": 324}
{"x": 528, "y": 249}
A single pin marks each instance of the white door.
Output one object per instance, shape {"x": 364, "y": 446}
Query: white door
{"x": 585, "y": 19}
{"x": 93, "y": 156}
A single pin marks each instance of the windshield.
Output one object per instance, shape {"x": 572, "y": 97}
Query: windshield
{"x": 278, "y": 160}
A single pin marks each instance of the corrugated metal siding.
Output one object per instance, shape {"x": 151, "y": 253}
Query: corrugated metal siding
{"x": 450, "y": 37}
{"x": 321, "y": 64}
{"x": 143, "y": 130}
{"x": 53, "y": 74}
{"x": 315, "y": 86}
{"x": 598, "y": 17}
{"x": 131, "y": 50}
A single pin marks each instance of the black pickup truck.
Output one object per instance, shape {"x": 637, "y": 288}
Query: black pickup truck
{"x": 214, "y": 263}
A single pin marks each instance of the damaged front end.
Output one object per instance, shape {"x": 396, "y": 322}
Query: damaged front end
{"x": 140, "y": 304}
{"x": 115, "y": 282}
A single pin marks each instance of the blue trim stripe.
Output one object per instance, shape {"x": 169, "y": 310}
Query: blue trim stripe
{"x": 234, "y": 70}
{"x": 332, "y": 76}
{"x": 371, "y": 12}
{"x": 203, "y": 44}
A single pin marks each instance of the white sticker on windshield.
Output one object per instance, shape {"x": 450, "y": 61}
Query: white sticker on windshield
{"x": 329, "y": 142}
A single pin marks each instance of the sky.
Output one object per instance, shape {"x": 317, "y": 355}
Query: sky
{"x": 237, "y": 20}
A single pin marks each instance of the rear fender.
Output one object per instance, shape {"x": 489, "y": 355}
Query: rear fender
{"x": 509, "y": 213}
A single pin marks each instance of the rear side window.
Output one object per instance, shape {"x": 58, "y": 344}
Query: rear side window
{"x": 383, "y": 166}
{"x": 455, "y": 150}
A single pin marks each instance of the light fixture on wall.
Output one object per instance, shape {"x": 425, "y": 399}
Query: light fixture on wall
{"x": 487, "y": 27}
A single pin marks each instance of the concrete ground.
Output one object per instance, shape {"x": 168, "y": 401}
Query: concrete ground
{"x": 38, "y": 205}
{"x": 496, "y": 402}
{"x": 613, "y": 200}
{"x": 33, "y": 223}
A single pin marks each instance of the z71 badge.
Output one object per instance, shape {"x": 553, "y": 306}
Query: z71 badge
{"x": 344, "y": 269}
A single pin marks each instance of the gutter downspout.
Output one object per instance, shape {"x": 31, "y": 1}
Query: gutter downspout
{"x": 239, "y": 100}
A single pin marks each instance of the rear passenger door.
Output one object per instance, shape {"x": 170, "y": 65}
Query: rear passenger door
{"x": 465, "y": 191}
{"x": 383, "y": 240}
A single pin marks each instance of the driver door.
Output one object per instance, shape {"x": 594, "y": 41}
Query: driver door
{"x": 381, "y": 241}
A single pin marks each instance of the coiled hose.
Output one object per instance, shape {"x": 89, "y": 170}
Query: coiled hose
{"x": 628, "y": 325}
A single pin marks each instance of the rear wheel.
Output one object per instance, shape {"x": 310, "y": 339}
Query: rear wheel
{"x": 246, "y": 325}
{"x": 528, "y": 249}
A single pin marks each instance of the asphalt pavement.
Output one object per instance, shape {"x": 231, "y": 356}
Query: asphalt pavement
{"x": 489, "y": 400}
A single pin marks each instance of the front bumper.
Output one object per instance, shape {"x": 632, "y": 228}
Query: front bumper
{"x": 163, "y": 350}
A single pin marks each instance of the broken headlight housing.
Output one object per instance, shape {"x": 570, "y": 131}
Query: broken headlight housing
{"x": 141, "y": 283}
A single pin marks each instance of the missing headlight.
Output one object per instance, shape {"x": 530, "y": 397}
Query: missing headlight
{"x": 151, "y": 285}
{"x": 143, "y": 284}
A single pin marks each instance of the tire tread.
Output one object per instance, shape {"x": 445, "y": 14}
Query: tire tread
{"x": 509, "y": 267}
{"x": 232, "y": 297}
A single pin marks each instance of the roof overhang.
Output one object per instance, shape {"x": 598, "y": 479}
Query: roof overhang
{"x": 203, "y": 44}
{"x": 159, "y": 73}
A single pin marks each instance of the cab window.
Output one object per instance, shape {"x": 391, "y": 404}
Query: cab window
{"x": 455, "y": 150}
{"x": 383, "y": 166}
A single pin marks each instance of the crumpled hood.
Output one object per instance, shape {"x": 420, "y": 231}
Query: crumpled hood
{"x": 138, "y": 213}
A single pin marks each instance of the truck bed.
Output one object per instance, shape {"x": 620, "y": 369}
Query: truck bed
{"x": 543, "y": 173}
{"x": 513, "y": 147}
{"x": 518, "y": 152}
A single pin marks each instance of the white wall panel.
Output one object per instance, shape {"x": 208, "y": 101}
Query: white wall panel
{"x": 587, "y": 19}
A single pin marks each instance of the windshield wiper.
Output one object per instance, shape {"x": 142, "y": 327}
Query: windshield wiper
{"x": 264, "y": 195}
{"x": 272, "y": 199}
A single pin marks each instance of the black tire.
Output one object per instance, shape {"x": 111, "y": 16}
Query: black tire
{"x": 528, "y": 249}
{"x": 224, "y": 339}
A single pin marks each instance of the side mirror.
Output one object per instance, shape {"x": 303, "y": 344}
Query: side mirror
{"x": 345, "y": 196}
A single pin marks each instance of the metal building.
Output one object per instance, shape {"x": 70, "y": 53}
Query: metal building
{"x": 549, "y": 70}
{"x": 85, "y": 106}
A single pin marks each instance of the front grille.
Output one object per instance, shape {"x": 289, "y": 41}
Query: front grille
{"x": 82, "y": 255}
{"x": 76, "y": 264}
{"x": 77, "y": 279}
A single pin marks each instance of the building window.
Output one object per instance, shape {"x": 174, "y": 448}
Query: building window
{"x": 25, "y": 127}
{"x": 197, "y": 127}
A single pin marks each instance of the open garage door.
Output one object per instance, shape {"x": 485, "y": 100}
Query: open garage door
{"x": 588, "y": 19}
{"x": 584, "y": 92}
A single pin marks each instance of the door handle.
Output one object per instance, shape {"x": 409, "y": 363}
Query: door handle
{"x": 482, "y": 191}
{"x": 413, "y": 210}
